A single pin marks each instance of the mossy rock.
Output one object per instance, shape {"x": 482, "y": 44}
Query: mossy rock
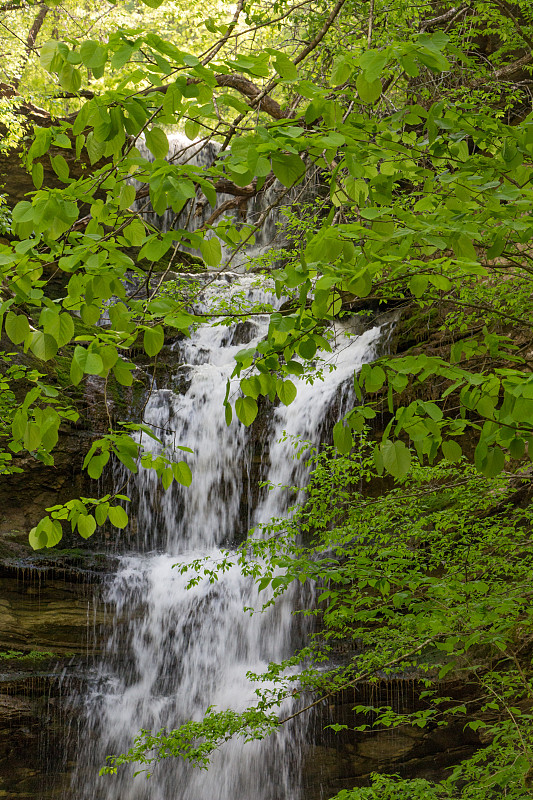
{"x": 178, "y": 261}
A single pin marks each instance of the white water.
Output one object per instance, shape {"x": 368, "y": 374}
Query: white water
{"x": 173, "y": 652}
{"x": 201, "y": 154}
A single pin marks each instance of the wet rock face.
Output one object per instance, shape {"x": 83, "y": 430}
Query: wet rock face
{"x": 37, "y": 614}
{"x": 34, "y": 758}
{"x": 50, "y": 627}
{"x": 25, "y": 495}
{"x": 347, "y": 759}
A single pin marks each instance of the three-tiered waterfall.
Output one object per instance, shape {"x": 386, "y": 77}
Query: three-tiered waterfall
{"x": 175, "y": 651}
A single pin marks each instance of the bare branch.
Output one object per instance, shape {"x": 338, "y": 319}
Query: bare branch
{"x": 252, "y": 92}
{"x": 31, "y": 39}
{"x": 506, "y": 72}
{"x": 449, "y": 16}
{"x": 370, "y": 23}
{"x": 300, "y": 57}
{"x": 220, "y": 44}
{"x": 322, "y": 32}
{"x": 508, "y": 12}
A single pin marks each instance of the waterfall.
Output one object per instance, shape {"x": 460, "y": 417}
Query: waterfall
{"x": 175, "y": 651}
{"x": 199, "y": 155}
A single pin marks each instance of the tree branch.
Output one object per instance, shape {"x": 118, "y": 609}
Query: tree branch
{"x": 300, "y": 57}
{"x": 508, "y": 12}
{"x": 252, "y": 92}
{"x": 242, "y": 85}
{"x": 504, "y": 73}
{"x": 220, "y": 44}
{"x": 30, "y": 41}
{"x": 370, "y": 24}
{"x": 449, "y": 16}
{"x": 27, "y": 110}
{"x": 12, "y": 7}
{"x": 322, "y": 32}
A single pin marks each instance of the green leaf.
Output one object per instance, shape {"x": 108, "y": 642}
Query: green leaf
{"x": 23, "y": 212}
{"x": 368, "y": 91}
{"x": 228, "y": 413}
{"x": 375, "y": 379}
{"x": 286, "y": 391}
{"x": 89, "y": 362}
{"x": 126, "y": 198}
{"x": 251, "y": 386}
{"x": 307, "y": 348}
{"x": 37, "y": 174}
{"x": 17, "y": 327}
{"x": 95, "y": 149}
{"x": 48, "y": 54}
{"x": 60, "y": 167}
{"x": 493, "y": 463}
{"x": 361, "y": 285}
{"x": 86, "y": 525}
{"x": 396, "y": 458}
{"x": 18, "y": 426}
{"x": 509, "y": 150}
{"x": 96, "y": 465}
{"x": 191, "y": 128}
{"x": 49, "y": 424}
{"x": 32, "y": 437}
{"x": 288, "y": 169}
{"x": 285, "y": 67}
{"x": 372, "y": 63}
{"x": 246, "y": 410}
{"x": 497, "y": 247}
{"x": 156, "y": 142}
{"x": 93, "y": 54}
{"x": 55, "y": 533}
{"x": 341, "y": 69}
{"x": 37, "y": 538}
{"x": 60, "y": 326}
{"x": 418, "y": 285}
{"x": 211, "y": 251}
{"x": 46, "y": 534}
{"x": 342, "y": 438}
{"x": 43, "y": 346}
{"x": 135, "y": 233}
{"x": 517, "y": 448}
{"x": 182, "y": 473}
{"x": 117, "y": 516}
{"x": 155, "y": 248}
{"x": 451, "y": 451}
{"x": 167, "y": 477}
{"x": 69, "y": 77}
{"x": 464, "y": 248}
{"x": 100, "y": 512}
{"x": 153, "y": 340}
{"x": 122, "y": 370}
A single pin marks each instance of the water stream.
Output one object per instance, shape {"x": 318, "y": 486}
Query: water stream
{"x": 173, "y": 652}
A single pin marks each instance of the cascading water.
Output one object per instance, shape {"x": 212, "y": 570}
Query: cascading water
{"x": 175, "y": 651}
{"x": 195, "y": 214}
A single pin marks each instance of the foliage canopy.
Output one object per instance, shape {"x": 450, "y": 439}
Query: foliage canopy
{"x": 415, "y": 123}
